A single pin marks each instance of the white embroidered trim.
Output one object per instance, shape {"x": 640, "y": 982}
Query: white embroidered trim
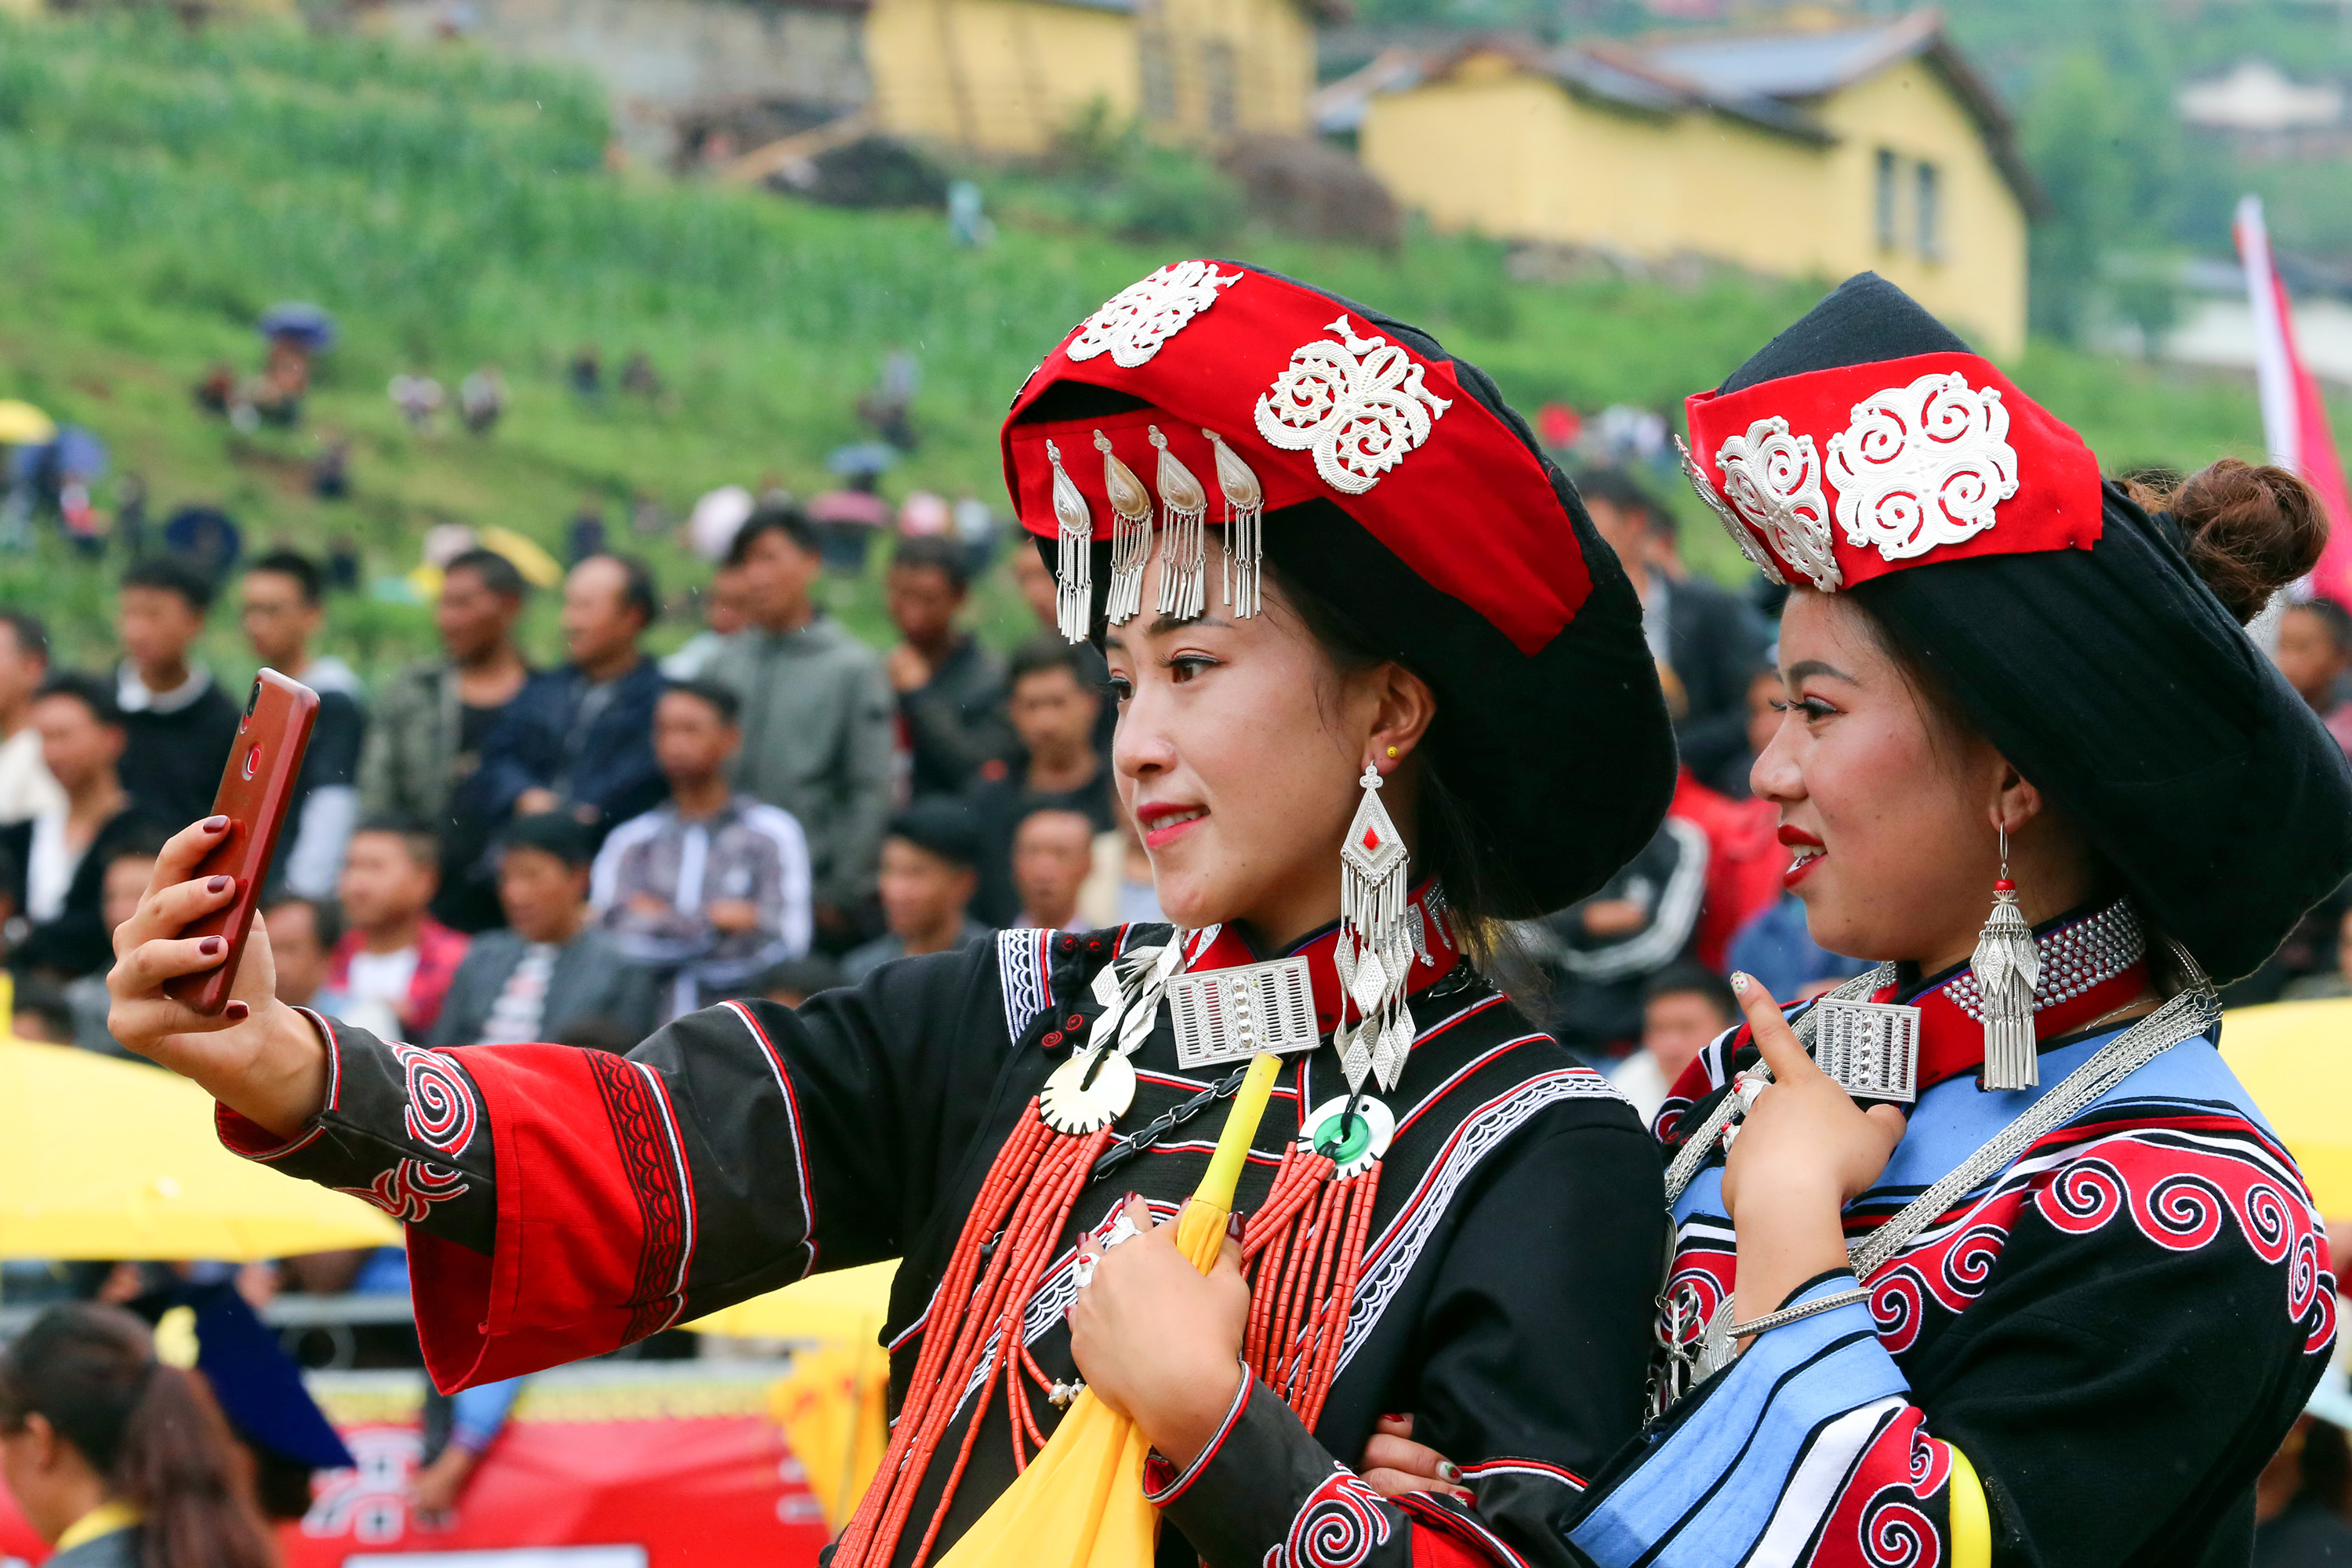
{"x": 1021, "y": 972}
{"x": 1774, "y": 479}
{"x": 1134, "y": 323}
{"x": 1922, "y": 465}
{"x": 1357, "y": 404}
{"x": 1391, "y": 1257}
{"x": 1185, "y": 1477}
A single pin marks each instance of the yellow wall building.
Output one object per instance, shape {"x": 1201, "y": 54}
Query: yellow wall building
{"x": 1798, "y": 153}
{"x": 1008, "y": 75}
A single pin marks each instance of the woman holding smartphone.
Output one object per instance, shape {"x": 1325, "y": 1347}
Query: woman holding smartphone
{"x": 1380, "y": 687}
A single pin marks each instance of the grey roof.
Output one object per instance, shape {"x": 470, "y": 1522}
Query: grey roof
{"x": 1786, "y": 65}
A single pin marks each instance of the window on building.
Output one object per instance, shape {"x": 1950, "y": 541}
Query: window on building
{"x": 1159, "y": 65}
{"x": 1888, "y": 236}
{"x": 1931, "y": 213}
{"x": 1221, "y": 84}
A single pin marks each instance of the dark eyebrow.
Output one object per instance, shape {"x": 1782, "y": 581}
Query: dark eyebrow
{"x": 1805, "y": 668}
{"x": 1166, "y": 624}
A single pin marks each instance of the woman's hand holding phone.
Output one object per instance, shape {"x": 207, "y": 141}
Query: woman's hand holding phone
{"x": 257, "y": 1055}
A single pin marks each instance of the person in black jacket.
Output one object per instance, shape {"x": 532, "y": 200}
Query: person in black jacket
{"x": 177, "y": 723}
{"x": 1708, "y": 639}
{"x": 950, "y": 690}
{"x": 284, "y": 604}
{"x": 579, "y": 740}
{"x": 61, "y": 855}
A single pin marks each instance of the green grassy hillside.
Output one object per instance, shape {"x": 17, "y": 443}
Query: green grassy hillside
{"x": 161, "y": 188}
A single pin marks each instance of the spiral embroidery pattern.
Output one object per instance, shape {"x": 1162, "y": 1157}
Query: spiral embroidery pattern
{"x": 441, "y": 1113}
{"x": 1338, "y": 1527}
{"x": 408, "y": 1191}
{"x": 1921, "y": 466}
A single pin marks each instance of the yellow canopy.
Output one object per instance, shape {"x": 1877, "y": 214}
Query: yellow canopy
{"x": 22, "y": 425}
{"x": 2295, "y": 1059}
{"x": 848, "y": 1304}
{"x": 100, "y": 1158}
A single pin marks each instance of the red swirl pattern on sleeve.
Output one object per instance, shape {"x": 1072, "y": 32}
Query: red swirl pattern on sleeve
{"x": 1339, "y": 1526}
{"x": 442, "y": 1112}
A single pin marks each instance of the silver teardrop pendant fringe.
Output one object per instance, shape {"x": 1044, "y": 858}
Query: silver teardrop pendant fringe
{"x": 1375, "y": 949}
{"x": 1130, "y": 533}
{"x": 1184, "y": 550}
{"x": 1245, "y": 529}
{"x": 2007, "y": 965}
{"x": 1074, "y": 563}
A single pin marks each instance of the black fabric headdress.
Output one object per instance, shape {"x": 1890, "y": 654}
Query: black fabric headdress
{"x": 2114, "y": 679}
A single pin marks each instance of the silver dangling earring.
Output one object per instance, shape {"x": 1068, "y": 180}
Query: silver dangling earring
{"x": 2007, "y": 966}
{"x": 1375, "y": 949}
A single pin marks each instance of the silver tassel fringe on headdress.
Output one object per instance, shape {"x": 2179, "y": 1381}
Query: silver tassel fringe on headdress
{"x": 1074, "y": 570}
{"x": 1244, "y": 528}
{"x": 2007, "y": 965}
{"x": 1183, "y": 553}
{"x": 1130, "y": 533}
{"x": 1375, "y": 948}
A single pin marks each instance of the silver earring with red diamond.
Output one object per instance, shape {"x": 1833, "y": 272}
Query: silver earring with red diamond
{"x": 1375, "y": 949}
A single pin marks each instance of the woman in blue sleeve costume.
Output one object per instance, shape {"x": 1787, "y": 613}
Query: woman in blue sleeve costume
{"x": 2003, "y": 1266}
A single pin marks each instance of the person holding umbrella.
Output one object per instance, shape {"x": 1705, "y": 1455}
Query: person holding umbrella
{"x": 1382, "y": 689}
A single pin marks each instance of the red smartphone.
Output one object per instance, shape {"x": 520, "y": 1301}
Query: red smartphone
{"x": 256, "y": 787}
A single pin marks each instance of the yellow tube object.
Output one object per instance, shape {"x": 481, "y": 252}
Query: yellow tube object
{"x": 1080, "y": 1504}
{"x": 1972, "y": 1520}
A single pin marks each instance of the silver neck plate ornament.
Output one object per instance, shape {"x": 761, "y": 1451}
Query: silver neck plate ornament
{"x": 1231, "y": 1015}
{"x": 1375, "y": 949}
{"x": 2007, "y": 964}
{"x": 1870, "y": 1048}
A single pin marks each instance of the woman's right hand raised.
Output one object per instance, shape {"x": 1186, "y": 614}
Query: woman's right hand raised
{"x": 257, "y": 1057}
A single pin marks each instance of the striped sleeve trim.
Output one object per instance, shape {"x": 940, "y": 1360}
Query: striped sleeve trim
{"x": 1175, "y": 1487}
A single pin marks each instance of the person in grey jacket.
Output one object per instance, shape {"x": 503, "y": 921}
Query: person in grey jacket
{"x": 552, "y": 970}
{"x": 817, "y": 731}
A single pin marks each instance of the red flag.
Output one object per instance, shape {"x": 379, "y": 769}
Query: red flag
{"x": 2294, "y": 419}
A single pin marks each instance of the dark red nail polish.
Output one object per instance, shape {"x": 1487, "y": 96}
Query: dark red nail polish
{"x": 1125, "y": 1199}
{"x": 214, "y": 824}
{"x": 210, "y": 947}
{"x": 218, "y": 885}
{"x": 237, "y": 1011}
{"x": 1234, "y": 1225}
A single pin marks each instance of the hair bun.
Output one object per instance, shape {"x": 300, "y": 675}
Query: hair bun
{"x": 2251, "y": 530}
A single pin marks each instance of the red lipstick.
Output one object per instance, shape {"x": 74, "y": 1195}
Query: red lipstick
{"x": 1809, "y": 852}
{"x": 1163, "y": 822}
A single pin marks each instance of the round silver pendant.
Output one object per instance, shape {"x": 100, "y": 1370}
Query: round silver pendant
{"x": 1072, "y": 1105}
{"x": 1353, "y": 1145}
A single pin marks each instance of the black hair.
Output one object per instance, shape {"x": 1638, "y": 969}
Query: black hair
{"x": 423, "y": 846}
{"x": 639, "y": 590}
{"x": 95, "y": 692}
{"x": 918, "y": 552}
{"x": 772, "y": 518}
{"x": 498, "y": 574}
{"x": 1621, "y": 490}
{"x": 32, "y": 637}
{"x": 307, "y": 578}
{"x": 140, "y": 841}
{"x": 721, "y": 699}
{"x": 326, "y": 917}
{"x": 173, "y": 574}
{"x": 2335, "y": 617}
{"x": 1040, "y": 654}
{"x": 152, "y": 1431}
{"x": 552, "y": 833}
{"x": 944, "y": 828}
{"x": 1688, "y": 979}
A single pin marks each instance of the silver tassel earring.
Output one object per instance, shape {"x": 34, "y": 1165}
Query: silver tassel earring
{"x": 1375, "y": 949}
{"x": 1074, "y": 568}
{"x": 2007, "y": 966}
{"x": 1244, "y": 528}
{"x": 1130, "y": 533}
{"x": 1184, "y": 504}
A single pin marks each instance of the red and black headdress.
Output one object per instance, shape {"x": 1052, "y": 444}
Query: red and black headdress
{"x": 1388, "y": 480}
{"x": 1866, "y": 450}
